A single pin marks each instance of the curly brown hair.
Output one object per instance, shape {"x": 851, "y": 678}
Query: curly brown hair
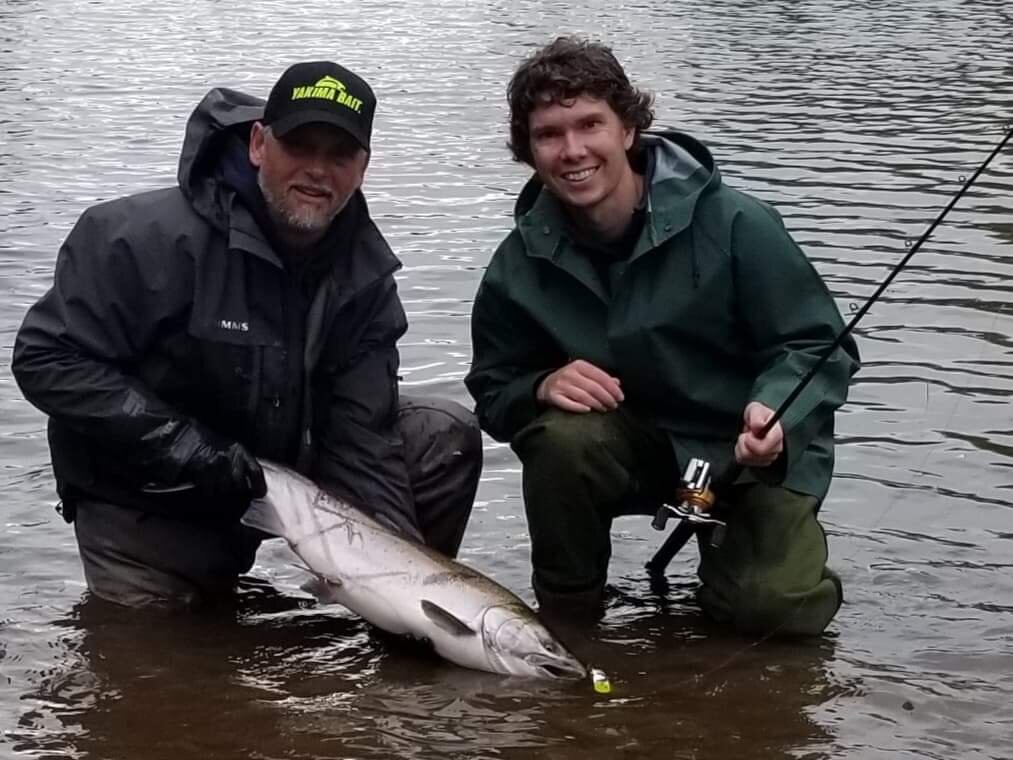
{"x": 563, "y": 70}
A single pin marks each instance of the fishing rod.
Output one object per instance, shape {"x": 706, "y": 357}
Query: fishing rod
{"x": 696, "y": 494}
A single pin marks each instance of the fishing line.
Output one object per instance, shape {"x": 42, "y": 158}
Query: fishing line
{"x": 699, "y": 487}
{"x": 1008, "y": 128}
{"x": 934, "y": 448}
{"x": 884, "y": 285}
{"x": 734, "y": 469}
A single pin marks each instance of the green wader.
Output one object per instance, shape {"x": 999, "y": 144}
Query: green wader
{"x": 769, "y": 575}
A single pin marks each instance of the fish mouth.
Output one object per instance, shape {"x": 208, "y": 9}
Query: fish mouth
{"x": 557, "y": 668}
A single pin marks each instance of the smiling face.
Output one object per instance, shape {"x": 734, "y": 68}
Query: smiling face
{"x": 579, "y": 151}
{"x": 306, "y": 177}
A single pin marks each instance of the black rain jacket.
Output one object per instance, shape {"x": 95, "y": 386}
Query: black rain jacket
{"x": 170, "y": 314}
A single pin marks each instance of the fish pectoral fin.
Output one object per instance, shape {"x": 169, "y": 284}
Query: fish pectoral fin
{"x": 446, "y": 620}
{"x": 324, "y": 589}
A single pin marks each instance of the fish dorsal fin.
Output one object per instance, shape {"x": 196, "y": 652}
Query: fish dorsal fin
{"x": 446, "y": 620}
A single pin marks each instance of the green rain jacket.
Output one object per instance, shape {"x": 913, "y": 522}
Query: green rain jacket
{"x": 716, "y": 307}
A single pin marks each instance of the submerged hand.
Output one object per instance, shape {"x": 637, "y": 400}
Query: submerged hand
{"x": 580, "y": 387}
{"x": 750, "y": 449}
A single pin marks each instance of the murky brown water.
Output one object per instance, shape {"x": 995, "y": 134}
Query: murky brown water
{"x": 855, "y": 118}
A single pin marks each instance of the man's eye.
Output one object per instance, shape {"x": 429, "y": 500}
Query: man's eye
{"x": 296, "y": 148}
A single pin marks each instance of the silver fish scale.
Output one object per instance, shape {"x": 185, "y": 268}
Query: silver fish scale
{"x": 405, "y": 587}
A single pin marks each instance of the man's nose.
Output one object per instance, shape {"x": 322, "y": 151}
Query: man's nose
{"x": 573, "y": 146}
{"x": 316, "y": 164}
{"x": 315, "y": 169}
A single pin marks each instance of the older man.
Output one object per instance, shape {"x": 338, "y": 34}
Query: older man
{"x": 251, "y": 311}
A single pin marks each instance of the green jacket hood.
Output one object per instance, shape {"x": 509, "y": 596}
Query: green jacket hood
{"x": 222, "y": 115}
{"x": 716, "y": 306}
{"x": 684, "y": 169}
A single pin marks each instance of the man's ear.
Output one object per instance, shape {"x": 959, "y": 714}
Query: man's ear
{"x": 362, "y": 168}
{"x": 258, "y": 136}
{"x": 629, "y": 136}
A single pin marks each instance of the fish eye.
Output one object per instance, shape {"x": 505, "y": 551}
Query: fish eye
{"x": 549, "y": 644}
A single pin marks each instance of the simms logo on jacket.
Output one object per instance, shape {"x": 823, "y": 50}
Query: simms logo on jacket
{"x": 328, "y": 88}
{"x": 231, "y": 324}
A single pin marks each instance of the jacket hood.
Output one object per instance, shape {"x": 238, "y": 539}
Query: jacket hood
{"x": 222, "y": 115}
{"x": 683, "y": 170}
{"x": 217, "y": 136}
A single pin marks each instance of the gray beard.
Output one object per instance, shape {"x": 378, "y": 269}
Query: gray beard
{"x": 306, "y": 222}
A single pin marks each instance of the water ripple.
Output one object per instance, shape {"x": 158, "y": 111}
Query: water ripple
{"x": 856, "y": 119}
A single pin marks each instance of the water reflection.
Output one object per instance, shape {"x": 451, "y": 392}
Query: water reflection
{"x": 137, "y": 684}
{"x": 273, "y": 677}
{"x": 855, "y": 118}
{"x": 266, "y": 678}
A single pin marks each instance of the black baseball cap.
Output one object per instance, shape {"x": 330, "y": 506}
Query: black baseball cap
{"x": 321, "y": 92}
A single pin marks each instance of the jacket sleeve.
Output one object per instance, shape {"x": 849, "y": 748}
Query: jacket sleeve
{"x": 75, "y": 349}
{"x": 360, "y": 451}
{"x": 791, "y": 321}
{"x": 511, "y": 354}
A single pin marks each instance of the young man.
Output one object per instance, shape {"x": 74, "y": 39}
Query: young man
{"x": 642, "y": 313}
{"x": 250, "y": 311}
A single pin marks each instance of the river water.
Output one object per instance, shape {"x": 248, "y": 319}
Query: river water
{"x": 857, "y": 119}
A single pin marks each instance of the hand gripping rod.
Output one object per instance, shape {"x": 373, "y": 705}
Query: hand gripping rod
{"x": 696, "y": 496}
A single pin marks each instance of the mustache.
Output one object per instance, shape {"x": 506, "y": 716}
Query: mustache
{"x": 311, "y": 188}
{"x": 296, "y": 216}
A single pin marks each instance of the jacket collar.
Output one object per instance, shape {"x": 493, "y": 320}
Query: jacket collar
{"x": 365, "y": 260}
{"x": 245, "y": 234}
{"x": 684, "y": 170}
{"x": 543, "y": 229}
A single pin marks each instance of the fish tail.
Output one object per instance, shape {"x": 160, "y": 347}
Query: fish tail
{"x": 262, "y": 515}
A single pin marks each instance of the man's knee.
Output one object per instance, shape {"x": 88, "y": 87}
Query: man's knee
{"x": 443, "y": 452}
{"x": 140, "y": 560}
{"x": 440, "y": 432}
{"x": 766, "y": 606}
{"x": 769, "y": 610}
{"x": 557, "y": 438}
{"x": 769, "y": 576}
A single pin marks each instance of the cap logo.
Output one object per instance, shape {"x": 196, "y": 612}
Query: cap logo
{"x": 328, "y": 88}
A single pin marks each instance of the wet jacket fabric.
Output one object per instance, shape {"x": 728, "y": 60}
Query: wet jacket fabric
{"x": 172, "y": 319}
{"x": 715, "y": 307}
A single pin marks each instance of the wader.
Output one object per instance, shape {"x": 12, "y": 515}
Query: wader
{"x": 582, "y": 470}
{"x": 136, "y": 558}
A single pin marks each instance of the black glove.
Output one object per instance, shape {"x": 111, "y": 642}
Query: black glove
{"x": 229, "y": 474}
